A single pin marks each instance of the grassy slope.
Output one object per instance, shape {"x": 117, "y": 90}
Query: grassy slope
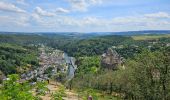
{"x": 150, "y": 37}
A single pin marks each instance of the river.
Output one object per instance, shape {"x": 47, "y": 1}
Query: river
{"x": 71, "y": 66}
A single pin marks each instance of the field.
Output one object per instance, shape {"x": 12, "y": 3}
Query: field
{"x": 150, "y": 37}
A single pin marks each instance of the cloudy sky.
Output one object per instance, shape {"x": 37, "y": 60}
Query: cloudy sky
{"x": 84, "y": 15}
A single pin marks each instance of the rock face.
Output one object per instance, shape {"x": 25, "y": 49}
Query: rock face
{"x": 111, "y": 59}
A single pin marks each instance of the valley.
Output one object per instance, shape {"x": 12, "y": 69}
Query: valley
{"x": 57, "y": 67}
{"x": 84, "y": 49}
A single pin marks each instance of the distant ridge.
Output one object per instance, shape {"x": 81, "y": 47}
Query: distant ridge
{"x": 95, "y": 33}
{"x": 135, "y": 32}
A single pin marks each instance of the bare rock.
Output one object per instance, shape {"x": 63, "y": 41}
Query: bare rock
{"x": 111, "y": 59}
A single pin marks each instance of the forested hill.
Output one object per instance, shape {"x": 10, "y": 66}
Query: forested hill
{"x": 17, "y": 59}
{"x": 94, "y": 46}
{"x": 77, "y": 45}
{"x": 22, "y": 38}
{"x": 73, "y": 46}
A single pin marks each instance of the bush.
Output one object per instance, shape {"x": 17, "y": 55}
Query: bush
{"x": 59, "y": 94}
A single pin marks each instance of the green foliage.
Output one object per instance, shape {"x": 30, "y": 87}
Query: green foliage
{"x": 90, "y": 92}
{"x": 80, "y": 46}
{"x": 145, "y": 77}
{"x": 41, "y": 88}
{"x": 48, "y": 71}
{"x": 59, "y": 94}
{"x": 88, "y": 65}
{"x": 93, "y": 46}
{"x": 150, "y": 37}
{"x": 152, "y": 75}
{"x": 129, "y": 51}
{"x": 13, "y": 90}
{"x": 60, "y": 76}
{"x": 95, "y": 94}
{"x": 19, "y": 56}
{"x": 22, "y": 38}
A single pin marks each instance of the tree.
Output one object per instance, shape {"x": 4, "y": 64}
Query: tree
{"x": 151, "y": 75}
{"x": 12, "y": 89}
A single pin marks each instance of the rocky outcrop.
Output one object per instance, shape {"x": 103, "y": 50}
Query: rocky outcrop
{"x": 111, "y": 59}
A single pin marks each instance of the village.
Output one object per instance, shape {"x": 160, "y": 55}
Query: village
{"x": 52, "y": 62}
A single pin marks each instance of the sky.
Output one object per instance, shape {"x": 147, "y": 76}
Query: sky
{"x": 84, "y": 15}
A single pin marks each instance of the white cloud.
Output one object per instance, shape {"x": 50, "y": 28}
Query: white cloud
{"x": 95, "y": 1}
{"x": 36, "y": 17}
{"x": 4, "y": 6}
{"x": 157, "y": 20}
{"x": 14, "y": 21}
{"x": 78, "y": 5}
{"x": 91, "y": 23}
{"x": 95, "y": 22}
{"x": 158, "y": 15}
{"x": 42, "y": 12}
{"x": 62, "y": 10}
{"x": 82, "y": 5}
{"x": 23, "y": 21}
{"x": 22, "y": 2}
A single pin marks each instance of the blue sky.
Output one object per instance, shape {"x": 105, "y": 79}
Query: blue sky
{"x": 84, "y": 15}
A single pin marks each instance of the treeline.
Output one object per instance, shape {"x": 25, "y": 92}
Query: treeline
{"x": 89, "y": 46}
{"x": 97, "y": 45}
{"x": 145, "y": 77}
{"x": 79, "y": 46}
{"x": 94, "y": 46}
{"x": 23, "y": 38}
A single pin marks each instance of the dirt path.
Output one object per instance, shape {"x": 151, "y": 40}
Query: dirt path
{"x": 54, "y": 86}
{"x": 71, "y": 96}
